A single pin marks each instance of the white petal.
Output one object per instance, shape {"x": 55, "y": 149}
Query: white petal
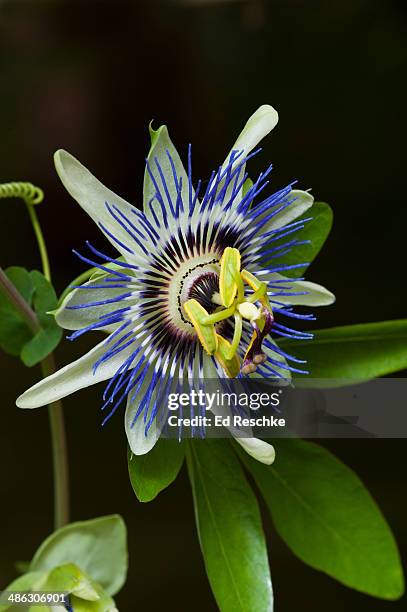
{"x": 161, "y": 144}
{"x": 258, "y": 449}
{"x": 257, "y": 127}
{"x": 139, "y": 442}
{"x": 317, "y": 294}
{"x": 303, "y": 201}
{"x": 79, "y": 318}
{"x": 92, "y": 195}
{"x": 74, "y": 376}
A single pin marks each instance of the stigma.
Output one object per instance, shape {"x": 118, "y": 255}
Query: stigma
{"x": 242, "y": 299}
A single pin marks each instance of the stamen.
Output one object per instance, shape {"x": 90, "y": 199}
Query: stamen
{"x": 232, "y": 297}
{"x": 230, "y": 364}
{"x": 206, "y": 333}
{"x": 229, "y": 271}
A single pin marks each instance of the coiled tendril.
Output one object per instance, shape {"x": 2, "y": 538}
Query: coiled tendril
{"x": 26, "y": 191}
{"x": 31, "y": 195}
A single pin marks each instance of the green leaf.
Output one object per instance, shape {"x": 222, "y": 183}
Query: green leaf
{"x": 16, "y": 337}
{"x": 229, "y": 529}
{"x": 44, "y": 342}
{"x": 327, "y": 517}
{"x": 14, "y": 331}
{"x": 353, "y": 352}
{"x": 97, "y": 546}
{"x": 316, "y": 230}
{"x": 153, "y": 472}
{"x": 22, "y": 280}
{"x": 44, "y": 297}
{"x": 41, "y": 345}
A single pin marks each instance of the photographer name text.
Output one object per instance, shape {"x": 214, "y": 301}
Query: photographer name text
{"x": 225, "y": 421}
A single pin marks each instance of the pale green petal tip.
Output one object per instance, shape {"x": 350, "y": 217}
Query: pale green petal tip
{"x": 258, "y": 449}
{"x": 69, "y": 170}
{"x": 318, "y": 295}
{"x": 154, "y": 134}
{"x": 139, "y": 442}
{"x": 60, "y": 157}
{"x": 330, "y": 298}
{"x": 23, "y": 401}
{"x": 269, "y": 113}
{"x": 302, "y": 197}
{"x": 257, "y": 127}
{"x": 266, "y": 116}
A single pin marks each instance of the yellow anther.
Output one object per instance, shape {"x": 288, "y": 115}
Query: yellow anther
{"x": 229, "y": 281}
{"x": 251, "y": 280}
{"x": 206, "y": 333}
{"x": 230, "y": 365}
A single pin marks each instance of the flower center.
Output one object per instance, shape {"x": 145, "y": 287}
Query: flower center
{"x": 214, "y": 298}
{"x": 205, "y": 290}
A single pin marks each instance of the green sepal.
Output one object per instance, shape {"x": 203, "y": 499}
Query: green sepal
{"x": 316, "y": 231}
{"x": 248, "y": 184}
{"x": 152, "y": 473}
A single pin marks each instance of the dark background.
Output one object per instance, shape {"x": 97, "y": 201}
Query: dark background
{"x": 88, "y": 77}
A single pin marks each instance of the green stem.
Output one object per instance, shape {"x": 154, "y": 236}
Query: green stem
{"x": 40, "y": 240}
{"x": 33, "y": 195}
{"x": 59, "y": 452}
{"x": 56, "y": 418}
{"x": 55, "y": 410}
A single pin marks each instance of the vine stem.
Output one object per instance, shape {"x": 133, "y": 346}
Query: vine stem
{"x": 55, "y": 410}
{"x": 40, "y": 240}
{"x": 59, "y": 452}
